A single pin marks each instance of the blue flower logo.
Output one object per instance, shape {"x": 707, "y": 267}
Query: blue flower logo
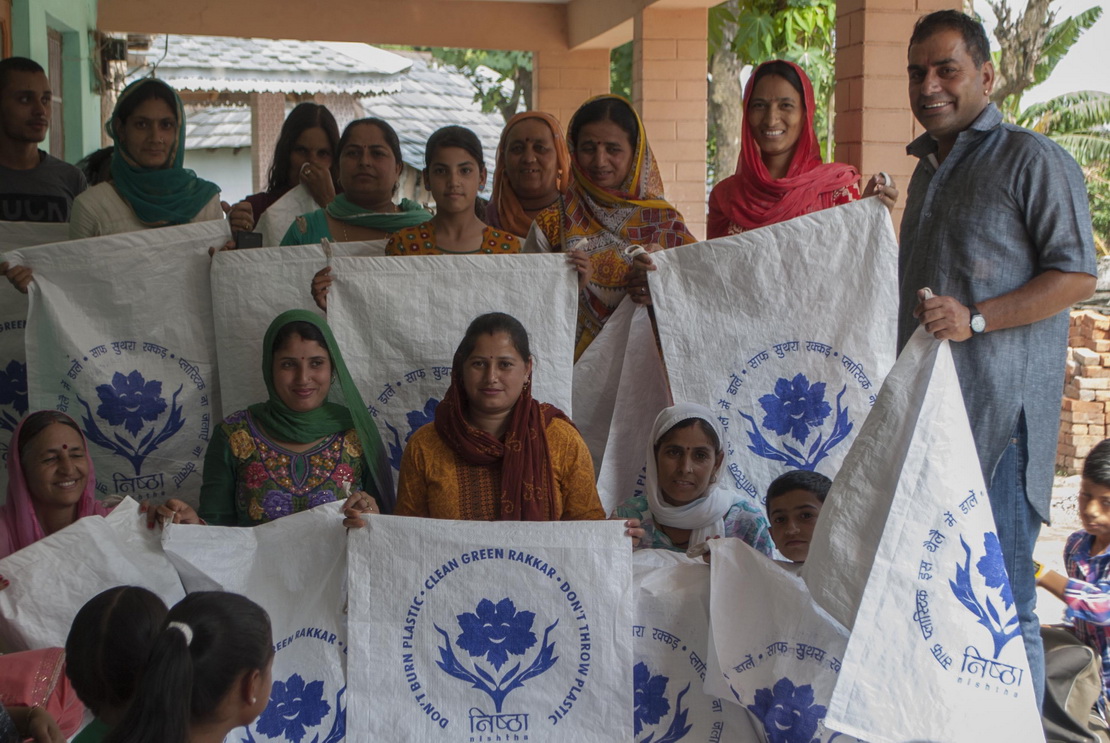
{"x": 294, "y": 707}
{"x": 130, "y": 400}
{"x": 493, "y": 632}
{"x": 496, "y": 631}
{"x": 1003, "y": 625}
{"x": 788, "y": 712}
{"x": 795, "y": 407}
{"x": 992, "y": 566}
{"x": 13, "y": 392}
{"x": 649, "y": 700}
{"x": 795, "y": 410}
{"x": 416, "y": 419}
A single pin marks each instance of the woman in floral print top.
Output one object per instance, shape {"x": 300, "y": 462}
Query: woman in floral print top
{"x": 296, "y": 450}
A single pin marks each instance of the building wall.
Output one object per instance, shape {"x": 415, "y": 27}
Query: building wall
{"x": 74, "y": 19}
{"x": 227, "y": 168}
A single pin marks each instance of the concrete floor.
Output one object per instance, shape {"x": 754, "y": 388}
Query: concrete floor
{"x": 1050, "y": 544}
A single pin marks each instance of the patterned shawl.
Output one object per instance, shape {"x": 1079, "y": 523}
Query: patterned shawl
{"x": 752, "y": 198}
{"x": 605, "y": 223}
{"x": 527, "y": 481}
{"x": 504, "y": 211}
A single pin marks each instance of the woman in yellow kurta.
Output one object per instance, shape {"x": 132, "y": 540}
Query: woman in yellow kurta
{"x": 614, "y": 203}
{"x": 494, "y": 453}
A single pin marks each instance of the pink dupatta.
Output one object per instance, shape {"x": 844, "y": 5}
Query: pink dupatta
{"x": 19, "y": 525}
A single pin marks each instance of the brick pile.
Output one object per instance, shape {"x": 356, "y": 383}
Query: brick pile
{"x": 1085, "y": 409}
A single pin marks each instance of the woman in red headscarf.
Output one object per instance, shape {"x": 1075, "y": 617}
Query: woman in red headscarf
{"x": 780, "y": 174}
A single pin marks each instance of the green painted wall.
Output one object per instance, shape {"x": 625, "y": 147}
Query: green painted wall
{"x": 75, "y": 20}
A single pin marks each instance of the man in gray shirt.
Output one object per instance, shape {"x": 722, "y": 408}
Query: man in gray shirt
{"x": 34, "y": 186}
{"x": 997, "y": 226}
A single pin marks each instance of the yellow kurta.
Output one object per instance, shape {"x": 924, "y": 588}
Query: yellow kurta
{"x": 436, "y": 482}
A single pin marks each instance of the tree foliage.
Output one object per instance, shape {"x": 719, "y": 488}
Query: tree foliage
{"x": 800, "y": 31}
{"x": 502, "y": 80}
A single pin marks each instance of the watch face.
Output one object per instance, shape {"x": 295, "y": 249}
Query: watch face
{"x": 978, "y": 323}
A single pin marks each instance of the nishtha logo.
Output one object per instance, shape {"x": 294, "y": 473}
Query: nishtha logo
{"x": 132, "y": 402}
{"x": 651, "y": 706}
{"x": 789, "y": 713}
{"x": 492, "y": 636}
{"x": 296, "y": 707}
{"x": 795, "y": 413}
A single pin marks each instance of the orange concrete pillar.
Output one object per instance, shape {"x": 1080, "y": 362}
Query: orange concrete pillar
{"x": 873, "y": 119}
{"x": 267, "y": 116}
{"x": 669, "y": 88}
{"x": 563, "y": 80}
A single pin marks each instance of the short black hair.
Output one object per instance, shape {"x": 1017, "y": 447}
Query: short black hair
{"x": 489, "y": 324}
{"x": 454, "y": 136}
{"x": 388, "y": 133}
{"x": 975, "y": 36}
{"x": 813, "y": 482}
{"x": 17, "y": 64}
{"x": 605, "y": 109}
{"x": 1096, "y": 468}
{"x": 780, "y": 69}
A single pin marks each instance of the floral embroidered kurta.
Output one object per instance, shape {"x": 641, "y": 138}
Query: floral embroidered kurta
{"x": 421, "y": 240}
{"x": 249, "y": 479}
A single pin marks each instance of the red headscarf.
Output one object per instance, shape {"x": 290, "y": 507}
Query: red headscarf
{"x": 751, "y": 198}
{"x": 19, "y": 526}
{"x": 527, "y": 482}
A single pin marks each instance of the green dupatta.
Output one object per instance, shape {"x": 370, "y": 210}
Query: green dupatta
{"x": 330, "y": 418}
{"x": 410, "y": 215}
{"x": 172, "y": 194}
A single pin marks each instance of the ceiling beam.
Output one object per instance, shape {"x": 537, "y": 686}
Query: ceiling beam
{"x": 474, "y": 24}
{"x": 604, "y": 25}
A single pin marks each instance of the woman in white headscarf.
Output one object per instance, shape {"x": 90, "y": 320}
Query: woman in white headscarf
{"x": 683, "y": 503}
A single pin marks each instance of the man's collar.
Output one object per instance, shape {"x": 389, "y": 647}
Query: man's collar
{"x": 988, "y": 119}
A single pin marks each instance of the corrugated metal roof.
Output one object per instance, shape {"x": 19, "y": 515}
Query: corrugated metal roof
{"x": 429, "y": 98}
{"x": 208, "y": 127}
{"x": 234, "y": 65}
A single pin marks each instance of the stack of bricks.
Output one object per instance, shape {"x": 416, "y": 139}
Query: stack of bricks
{"x": 1086, "y": 405}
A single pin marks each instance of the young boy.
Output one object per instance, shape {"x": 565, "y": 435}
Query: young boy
{"x": 1086, "y": 589}
{"x": 793, "y": 503}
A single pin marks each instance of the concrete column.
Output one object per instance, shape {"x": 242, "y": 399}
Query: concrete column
{"x": 267, "y": 116}
{"x": 564, "y": 80}
{"x": 873, "y": 119}
{"x": 669, "y": 88}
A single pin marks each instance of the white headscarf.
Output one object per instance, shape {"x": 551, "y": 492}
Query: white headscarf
{"x": 705, "y": 516}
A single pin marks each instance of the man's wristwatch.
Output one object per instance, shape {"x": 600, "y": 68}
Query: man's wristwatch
{"x": 978, "y": 322}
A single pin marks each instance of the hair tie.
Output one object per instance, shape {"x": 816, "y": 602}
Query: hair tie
{"x": 185, "y": 630}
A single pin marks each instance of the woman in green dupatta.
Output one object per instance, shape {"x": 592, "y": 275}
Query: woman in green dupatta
{"x": 370, "y": 165}
{"x": 296, "y": 450}
{"x": 150, "y": 185}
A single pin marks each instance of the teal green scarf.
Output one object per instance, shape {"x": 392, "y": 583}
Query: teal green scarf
{"x": 411, "y": 214}
{"x": 290, "y": 425}
{"x": 159, "y": 196}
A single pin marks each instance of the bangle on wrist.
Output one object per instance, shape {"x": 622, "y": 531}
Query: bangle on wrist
{"x": 1038, "y": 570}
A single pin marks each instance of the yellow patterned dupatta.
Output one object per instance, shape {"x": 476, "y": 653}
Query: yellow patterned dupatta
{"x": 606, "y": 223}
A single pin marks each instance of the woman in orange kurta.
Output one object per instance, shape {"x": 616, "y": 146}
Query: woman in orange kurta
{"x": 494, "y": 453}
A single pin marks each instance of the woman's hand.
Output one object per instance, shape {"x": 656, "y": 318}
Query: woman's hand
{"x": 882, "y": 185}
{"x": 320, "y": 283}
{"x": 240, "y": 217}
{"x": 20, "y": 276}
{"x": 634, "y": 530}
{"x": 637, "y": 279}
{"x": 358, "y": 503}
{"x": 581, "y": 263}
{"x": 319, "y": 183}
{"x": 173, "y": 511}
